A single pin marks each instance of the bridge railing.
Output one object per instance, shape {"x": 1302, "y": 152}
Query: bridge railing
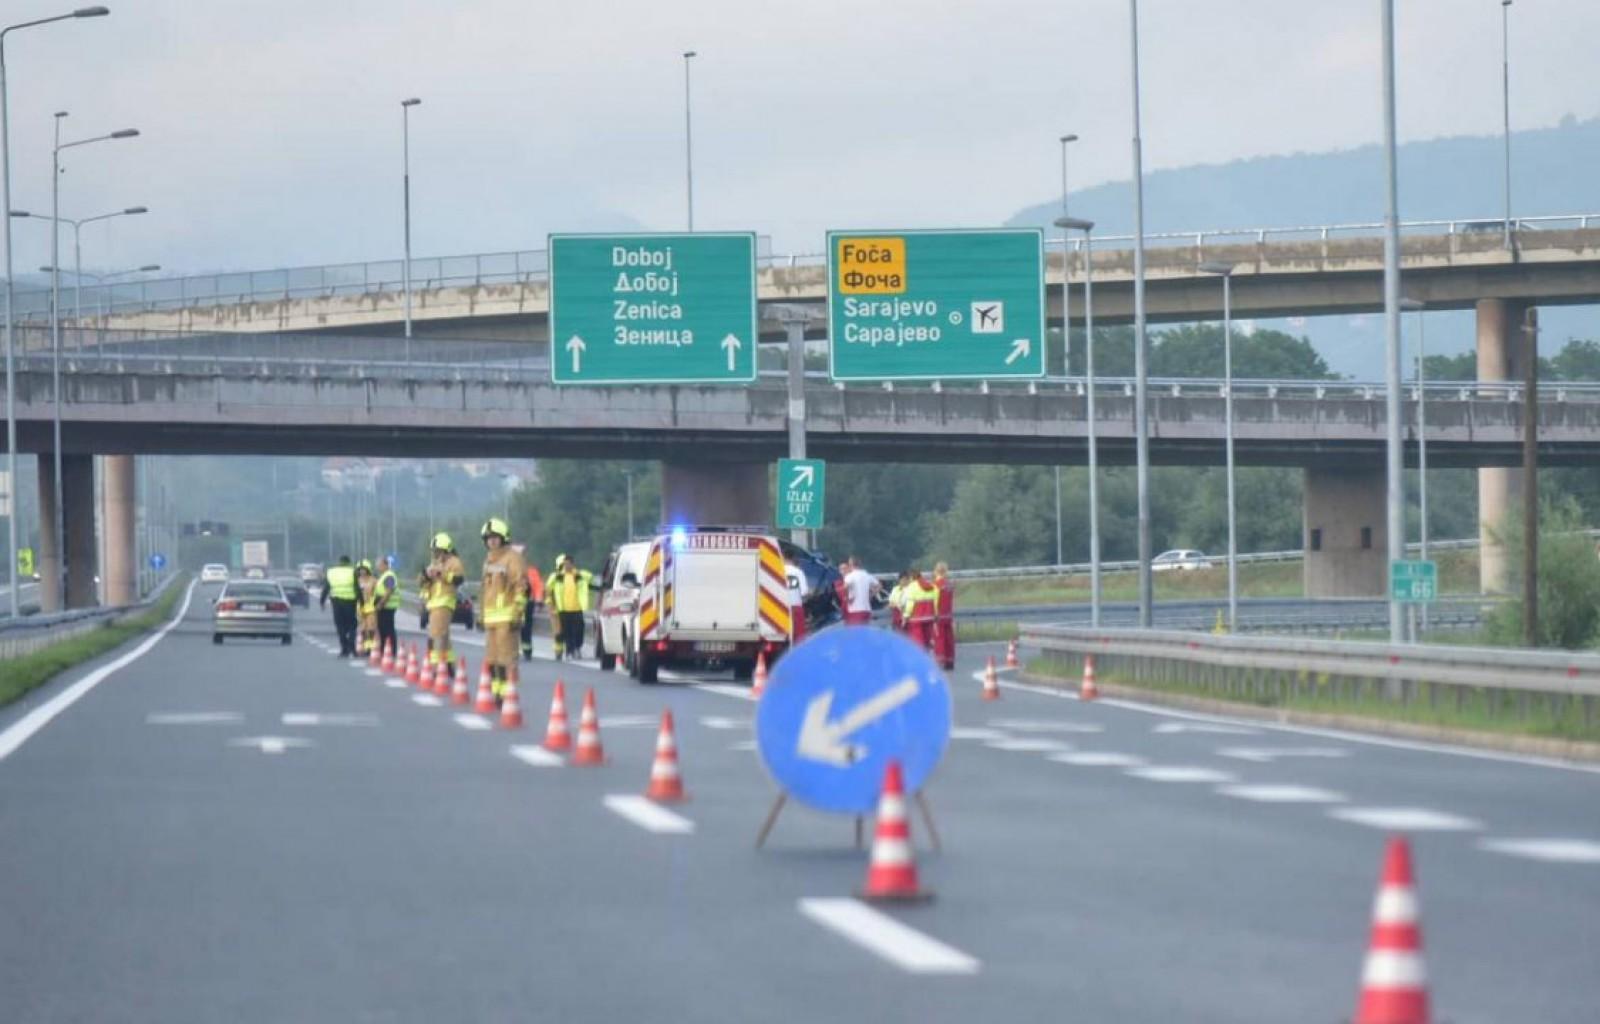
{"x": 523, "y": 266}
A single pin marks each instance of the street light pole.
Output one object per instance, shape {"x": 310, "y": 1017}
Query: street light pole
{"x": 11, "y": 386}
{"x": 1391, "y": 316}
{"x": 1226, "y": 272}
{"x": 1068, "y": 224}
{"x": 1066, "y": 326}
{"x": 627, "y": 475}
{"x": 1422, "y": 442}
{"x": 688, "y": 138}
{"x": 405, "y": 144}
{"x": 1505, "y": 104}
{"x": 1141, "y": 374}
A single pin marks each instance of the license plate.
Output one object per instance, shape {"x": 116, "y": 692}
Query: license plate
{"x": 715, "y": 647}
{"x": 253, "y": 607}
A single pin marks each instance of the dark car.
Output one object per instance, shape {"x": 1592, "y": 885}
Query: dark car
{"x": 817, "y": 584}
{"x": 465, "y": 613}
{"x": 296, "y": 592}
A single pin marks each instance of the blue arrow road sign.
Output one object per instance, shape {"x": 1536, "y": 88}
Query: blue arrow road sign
{"x": 843, "y": 703}
{"x": 158, "y": 561}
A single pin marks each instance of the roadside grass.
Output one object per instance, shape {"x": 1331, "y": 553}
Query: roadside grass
{"x": 1482, "y": 710}
{"x": 1458, "y": 574}
{"x": 21, "y": 675}
{"x": 978, "y": 631}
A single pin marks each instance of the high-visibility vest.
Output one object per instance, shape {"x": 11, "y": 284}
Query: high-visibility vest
{"x": 535, "y": 584}
{"x": 342, "y": 583}
{"x": 501, "y": 595}
{"x": 920, "y": 600}
{"x": 557, "y": 589}
{"x": 441, "y": 592}
{"x": 388, "y": 591}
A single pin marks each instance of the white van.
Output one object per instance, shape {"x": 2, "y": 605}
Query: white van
{"x": 619, "y": 597}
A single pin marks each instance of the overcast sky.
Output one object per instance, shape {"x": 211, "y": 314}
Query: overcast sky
{"x": 271, "y": 128}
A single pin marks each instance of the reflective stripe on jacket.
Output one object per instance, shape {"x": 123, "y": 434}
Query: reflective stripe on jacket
{"x": 501, "y": 594}
{"x": 569, "y": 592}
{"x": 342, "y": 583}
{"x": 388, "y": 591}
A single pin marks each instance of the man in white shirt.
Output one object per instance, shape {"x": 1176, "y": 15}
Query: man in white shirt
{"x": 859, "y": 586}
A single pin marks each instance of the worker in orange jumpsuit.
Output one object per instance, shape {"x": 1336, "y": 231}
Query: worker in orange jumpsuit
{"x": 919, "y": 604}
{"x": 944, "y": 619}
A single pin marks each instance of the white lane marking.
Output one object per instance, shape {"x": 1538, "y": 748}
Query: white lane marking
{"x": 719, "y": 722}
{"x": 740, "y": 692}
{"x": 649, "y": 816}
{"x": 903, "y": 946}
{"x": 270, "y": 744}
{"x": 1405, "y": 819}
{"x": 1042, "y": 725}
{"x": 194, "y": 718}
{"x": 629, "y": 721}
{"x": 1266, "y": 755}
{"x": 427, "y": 700}
{"x": 1097, "y": 759}
{"x": 1028, "y": 745}
{"x": 1225, "y": 730}
{"x": 359, "y": 664}
{"x": 959, "y": 733}
{"x": 538, "y": 757}
{"x": 1283, "y": 794}
{"x": 395, "y": 684}
{"x": 474, "y": 722}
{"x": 1179, "y": 773}
{"x": 375, "y": 673}
{"x": 318, "y": 718}
{"x": 1553, "y": 851}
{"x": 19, "y": 731}
{"x": 744, "y": 745}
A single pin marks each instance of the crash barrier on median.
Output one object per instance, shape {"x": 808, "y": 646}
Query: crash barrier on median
{"x": 1510, "y": 683}
{"x": 22, "y": 636}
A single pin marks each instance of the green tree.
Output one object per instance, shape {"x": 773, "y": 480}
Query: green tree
{"x": 580, "y": 508}
{"x": 1568, "y": 584}
{"x": 882, "y": 513}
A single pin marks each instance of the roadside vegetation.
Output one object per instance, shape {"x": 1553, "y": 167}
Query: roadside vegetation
{"x": 21, "y": 675}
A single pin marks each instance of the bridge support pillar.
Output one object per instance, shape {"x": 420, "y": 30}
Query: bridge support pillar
{"x": 117, "y": 517}
{"x": 1346, "y": 537}
{"x": 77, "y": 491}
{"x": 723, "y": 493}
{"x": 1499, "y": 488}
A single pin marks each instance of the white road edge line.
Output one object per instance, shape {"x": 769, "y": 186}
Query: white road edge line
{"x": 649, "y": 816}
{"x": 538, "y": 757}
{"x": 900, "y": 944}
{"x": 468, "y": 721}
{"x": 24, "y": 727}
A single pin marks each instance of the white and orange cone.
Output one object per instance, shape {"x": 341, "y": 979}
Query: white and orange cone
{"x": 484, "y": 704}
{"x": 1011, "y": 653}
{"x": 441, "y": 676}
{"x": 588, "y": 750}
{"x": 666, "y": 782}
{"x": 386, "y": 664}
{"x": 425, "y": 676}
{"x": 458, "y": 693}
{"x": 991, "y": 682}
{"x": 374, "y": 659}
{"x": 758, "y": 681}
{"x": 1087, "y": 690}
{"x": 892, "y": 871}
{"x": 1394, "y": 983}
{"x": 413, "y": 674}
{"x": 556, "y": 736}
{"x": 510, "y": 706}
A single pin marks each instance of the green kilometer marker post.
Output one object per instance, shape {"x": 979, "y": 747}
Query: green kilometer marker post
{"x": 653, "y": 309}
{"x": 936, "y": 305}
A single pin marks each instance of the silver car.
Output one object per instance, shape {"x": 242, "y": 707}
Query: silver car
{"x": 252, "y": 608}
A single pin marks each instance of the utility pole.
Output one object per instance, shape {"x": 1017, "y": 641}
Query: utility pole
{"x": 1530, "y": 478}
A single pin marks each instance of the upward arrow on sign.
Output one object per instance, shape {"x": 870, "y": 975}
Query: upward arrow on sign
{"x": 576, "y": 346}
{"x": 804, "y": 476}
{"x": 730, "y": 345}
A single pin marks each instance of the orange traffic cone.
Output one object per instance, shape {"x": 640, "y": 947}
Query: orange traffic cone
{"x": 588, "y": 750}
{"x": 1394, "y": 983}
{"x": 425, "y": 681}
{"x": 458, "y": 693}
{"x": 892, "y": 872}
{"x": 555, "y": 735}
{"x": 510, "y": 706}
{"x": 1011, "y": 653}
{"x": 484, "y": 704}
{"x": 411, "y": 675}
{"x": 374, "y": 659}
{"x": 758, "y": 682}
{"x": 1088, "y": 690}
{"x": 441, "y": 676}
{"x": 991, "y": 682}
{"x": 666, "y": 784}
{"x": 386, "y": 666}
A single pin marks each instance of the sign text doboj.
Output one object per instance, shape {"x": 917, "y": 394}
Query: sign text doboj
{"x": 930, "y": 305}
{"x": 648, "y": 309}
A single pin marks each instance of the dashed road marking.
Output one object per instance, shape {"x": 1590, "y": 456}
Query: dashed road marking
{"x": 719, "y": 722}
{"x": 1179, "y": 773}
{"x": 960, "y": 733}
{"x": 1028, "y": 745}
{"x": 318, "y": 718}
{"x": 1553, "y": 851}
{"x": 1266, "y": 755}
{"x": 744, "y": 745}
{"x": 1042, "y": 725}
{"x": 1405, "y": 819}
{"x": 270, "y": 744}
{"x": 395, "y": 684}
{"x": 1225, "y": 730}
{"x": 538, "y": 757}
{"x": 1097, "y": 759}
{"x": 475, "y": 722}
{"x": 649, "y": 816}
{"x": 740, "y": 692}
{"x": 427, "y": 700}
{"x": 901, "y": 945}
{"x": 1283, "y": 794}
{"x": 194, "y": 718}
{"x": 375, "y": 673}
{"x": 629, "y": 721}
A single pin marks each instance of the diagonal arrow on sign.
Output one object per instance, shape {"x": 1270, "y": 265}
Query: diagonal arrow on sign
{"x": 1019, "y": 348}
{"x": 731, "y": 345}
{"x": 804, "y": 476}
{"x": 576, "y": 346}
{"x": 822, "y": 740}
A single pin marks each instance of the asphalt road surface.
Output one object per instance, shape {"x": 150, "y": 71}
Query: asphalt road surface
{"x": 265, "y": 833}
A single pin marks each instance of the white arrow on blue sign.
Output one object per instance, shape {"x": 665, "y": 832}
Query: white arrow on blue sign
{"x": 840, "y": 706}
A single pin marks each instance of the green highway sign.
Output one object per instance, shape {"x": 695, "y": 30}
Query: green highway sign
{"x": 800, "y": 493}
{"x": 653, "y": 309}
{"x": 936, "y": 305}
{"x": 1413, "y": 582}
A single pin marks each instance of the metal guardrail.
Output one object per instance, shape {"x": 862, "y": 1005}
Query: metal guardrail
{"x": 1274, "y": 669}
{"x": 527, "y": 265}
{"x": 32, "y": 632}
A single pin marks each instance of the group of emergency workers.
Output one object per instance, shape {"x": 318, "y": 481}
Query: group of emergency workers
{"x": 365, "y": 598}
{"x": 922, "y": 609}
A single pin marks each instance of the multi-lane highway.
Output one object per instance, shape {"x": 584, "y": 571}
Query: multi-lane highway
{"x": 254, "y": 832}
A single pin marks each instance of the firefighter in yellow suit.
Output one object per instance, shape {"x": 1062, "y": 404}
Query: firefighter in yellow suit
{"x": 439, "y": 583}
{"x": 502, "y": 599}
{"x": 366, "y": 607}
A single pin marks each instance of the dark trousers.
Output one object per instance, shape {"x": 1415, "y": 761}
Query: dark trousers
{"x": 386, "y": 634}
{"x": 572, "y": 633}
{"x": 527, "y": 630}
{"x": 344, "y": 623}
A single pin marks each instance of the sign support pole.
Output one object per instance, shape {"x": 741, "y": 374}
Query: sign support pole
{"x": 794, "y": 326}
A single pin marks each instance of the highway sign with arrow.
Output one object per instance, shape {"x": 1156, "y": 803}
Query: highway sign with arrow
{"x": 840, "y": 706}
{"x": 936, "y": 305}
{"x": 653, "y": 309}
{"x": 801, "y": 485}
